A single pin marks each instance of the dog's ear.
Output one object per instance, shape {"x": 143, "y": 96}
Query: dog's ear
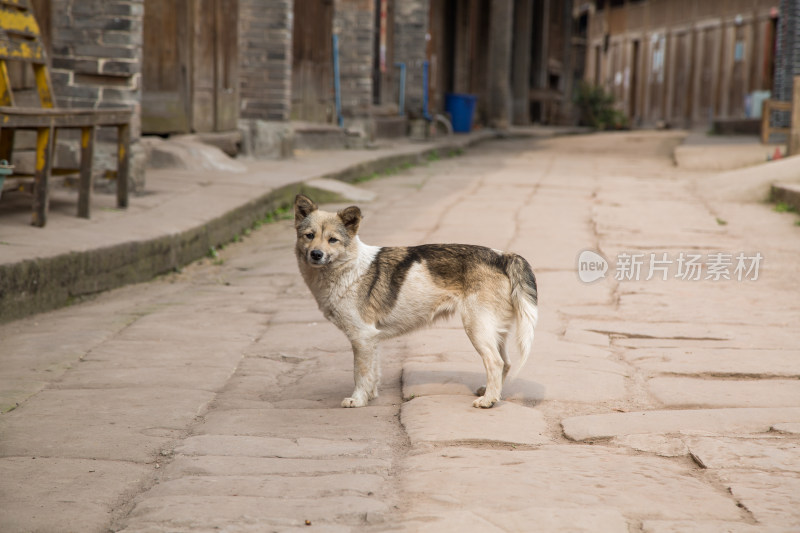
{"x": 351, "y": 218}
{"x": 303, "y": 206}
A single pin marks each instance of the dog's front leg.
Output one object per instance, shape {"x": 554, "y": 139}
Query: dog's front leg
{"x": 366, "y": 373}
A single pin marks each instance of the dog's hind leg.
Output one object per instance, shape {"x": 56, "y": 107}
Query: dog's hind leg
{"x": 501, "y": 348}
{"x": 366, "y": 373}
{"x": 482, "y": 332}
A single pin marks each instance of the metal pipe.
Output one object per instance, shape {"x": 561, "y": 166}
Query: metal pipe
{"x": 402, "y": 87}
{"x": 337, "y": 87}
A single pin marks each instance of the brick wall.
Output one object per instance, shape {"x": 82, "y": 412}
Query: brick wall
{"x": 96, "y": 56}
{"x": 97, "y": 48}
{"x": 265, "y": 55}
{"x": 410, "y": 29}
{"x": 354, "y": 22}
{"x": 787, "y": 56}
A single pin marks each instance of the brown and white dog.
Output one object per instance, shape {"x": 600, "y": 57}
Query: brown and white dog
{"x": 374, "y": 293}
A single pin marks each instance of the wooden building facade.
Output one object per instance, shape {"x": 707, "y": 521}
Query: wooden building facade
{"x": 532, "y": 49}
{"x": 682, "y": 63}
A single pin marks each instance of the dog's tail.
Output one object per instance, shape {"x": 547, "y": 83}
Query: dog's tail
{"x": 524, "y": 298}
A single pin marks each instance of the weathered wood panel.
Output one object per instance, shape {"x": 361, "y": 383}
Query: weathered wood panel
{"x": 166, "y": 54}
{"x": 312, "y": 61}
{"x": 681, "y": 77}
{"x": 227, "y": 65}
{"x": 190, "y": 66}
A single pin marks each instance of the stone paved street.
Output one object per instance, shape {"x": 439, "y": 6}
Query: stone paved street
{"x": 208, "y": 400}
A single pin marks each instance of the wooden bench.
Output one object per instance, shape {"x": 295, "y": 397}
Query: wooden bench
{"x": 20, "y": 40}
{"x": 766, "y": 116}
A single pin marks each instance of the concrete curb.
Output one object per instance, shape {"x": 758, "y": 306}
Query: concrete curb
{"x": 37, "y": 285}
{"x": 788, "y": 193}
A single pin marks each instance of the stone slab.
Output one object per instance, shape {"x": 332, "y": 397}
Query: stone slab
{"x": 772, "y": 497}
{"x": 696, "y": 392}
{"x": 661, "y": 445}
{"x": 554, "y": 376}
{"x": 656, "y": 330}
{"x": 51, "y": 494}
{"x": 192, "y": 513}
{"x": 789, "y": 427}
{"x": 454, "y": 419}
{"x": 742, "y": 420}
{"x": 702, "y": 526}
{"x": 720, "y": 362}
{"x": 126, "y": 424}
{"x": 94, "y": 375}
{"x": 216, "y": 465}
{"x": 268, "y": 486}
{"x": 772, "y": 454}
{"x": 294, "y": 423}
{"x": 540, "y": 519}
{"x": 556, "y": 476}
{"x": 428, "y": 379}
{"x": 561, "y": 520}
{"x": 247, "y": 446}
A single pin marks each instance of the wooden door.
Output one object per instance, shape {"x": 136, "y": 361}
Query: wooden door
{"x": 681, "y": 79}
{"x": 738, "y": 86}
{"x": 215, "y": 94}
{"x": 312, "y": 61}
{"x": 190, "y": 66}
{"x": 707, "y": 75}
{"x": 658, "y": 65}
{"x": 165, "y": 67}
{"x": 227, "y": 57}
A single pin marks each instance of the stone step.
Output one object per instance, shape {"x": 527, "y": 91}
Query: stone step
{"x": 788, "y": 193}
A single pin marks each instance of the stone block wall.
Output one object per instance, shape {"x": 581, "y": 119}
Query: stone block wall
{"x": 354, "y": 22}
{"x": 97, "y": 50}
{"x": 410, "y": 34}
{"x": 787, "y": 56}
{"x": 265, "y": 52}
{"x": 96, "y": 57}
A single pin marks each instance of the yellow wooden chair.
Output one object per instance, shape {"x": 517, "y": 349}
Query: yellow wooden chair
{"x": 20, "y": 40}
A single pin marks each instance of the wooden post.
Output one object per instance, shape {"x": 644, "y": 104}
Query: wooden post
{"x": 123, "y": 158}
{"x": 794, "y": 134}
{"x": 85, "y": 185}
{"x": 44, "y": 162}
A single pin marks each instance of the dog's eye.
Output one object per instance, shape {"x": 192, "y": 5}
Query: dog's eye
{"x": 309, "y": 236}
{"x": 333, "y": 240}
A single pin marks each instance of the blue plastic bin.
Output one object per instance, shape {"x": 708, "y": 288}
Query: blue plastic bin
{"x": 462, "y": 109}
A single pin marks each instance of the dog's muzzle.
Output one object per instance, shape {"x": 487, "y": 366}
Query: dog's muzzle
{"x": 316, "y": 257}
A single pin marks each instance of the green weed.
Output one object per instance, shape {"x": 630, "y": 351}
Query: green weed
{"x": 783, "y": 207}
{"x": 366, "y": 177}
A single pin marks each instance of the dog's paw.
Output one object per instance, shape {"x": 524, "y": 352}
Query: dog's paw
{"x": 483, "y": 402}
{"x": 481, "y": 391}
{"x": 354, "y": 402}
